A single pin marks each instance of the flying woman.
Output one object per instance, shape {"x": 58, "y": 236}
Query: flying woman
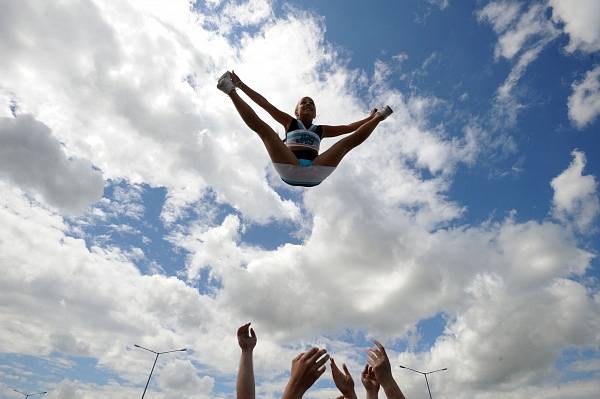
{"x": 297, "y": 158}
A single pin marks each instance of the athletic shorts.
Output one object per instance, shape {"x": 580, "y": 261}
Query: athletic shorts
{"x": 304, "y": 174}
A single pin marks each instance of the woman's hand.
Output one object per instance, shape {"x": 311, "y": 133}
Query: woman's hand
{"x": 246, "y": 338}
{"x": 380, "y": 363}
{"x": 343, "y": 381}
{"x": 307, "y": 367}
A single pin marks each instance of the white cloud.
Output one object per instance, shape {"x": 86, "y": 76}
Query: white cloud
{"x": 584, "y": 102}
{"x": 520, "y": 34}
{"x": 442, "y": 4}
{"x": 33, "y": 159}
{"x": 74, "y": 389}
{"x": 179, "y": 379}
{"x": 516, "y": 31}
{"x": 586, "y": 366}
{"x": 500, "y": 14}
{"x": 143, "y": 121}
{"x": 508, "y": 338}
{"x": 251, "y": 12}
{"x": 575, "y": 197}
{"x": 580, "y": 18}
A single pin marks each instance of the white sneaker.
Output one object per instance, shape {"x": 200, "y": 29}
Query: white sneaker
{"x": 387, "y": 111}
{"x": 225, "y": 84}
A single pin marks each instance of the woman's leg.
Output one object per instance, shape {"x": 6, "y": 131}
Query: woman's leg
{"x": 334, "y": 155}
{"x": 278, "y": 151}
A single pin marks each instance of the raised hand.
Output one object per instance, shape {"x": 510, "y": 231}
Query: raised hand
{"x": 378, "y": 359}
{"x": 246, "y": 337}
{"x": 373, "y": 112}
{"x": 343, "y": 381}
{"x": 369, "y": 381}
{"x": 379, "y": 362}
{"x": 307, "y": 367}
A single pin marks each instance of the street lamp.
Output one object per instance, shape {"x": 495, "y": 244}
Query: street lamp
{"x": 27, "y": 395}
{"x": 425, "y": 375}
{"x": 155, "y": 359}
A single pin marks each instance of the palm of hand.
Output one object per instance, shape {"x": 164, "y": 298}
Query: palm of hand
{"x": 379, "y": 362}
{"x": 343, "y": 381}
{"x": 369, "y": 380}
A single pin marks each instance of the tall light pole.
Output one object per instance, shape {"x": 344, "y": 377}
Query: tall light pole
{"x": 155, "y": 359}
{"x": 27, "y": 395}
{"x": 425, "y": 375}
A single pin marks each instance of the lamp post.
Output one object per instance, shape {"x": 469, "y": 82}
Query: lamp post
{"x": 27, "y": 395}
{"x": 425, "y": 375}
{"x": 155, "y": 359}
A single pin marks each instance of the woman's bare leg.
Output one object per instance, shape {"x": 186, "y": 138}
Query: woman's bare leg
{"x": 334, "y": 155}
{"x": 278, "y": 151}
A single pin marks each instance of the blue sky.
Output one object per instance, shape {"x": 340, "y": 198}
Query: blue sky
{"x": 137, "y": 208}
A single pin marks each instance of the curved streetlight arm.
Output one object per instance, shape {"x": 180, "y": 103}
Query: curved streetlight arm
{"x": 435, "y": 371}
{"x": 176, "y": 350}
{"x": 146, "y": 349}
{"x": 408, "y": 368}
{"x": 29, "y": 394}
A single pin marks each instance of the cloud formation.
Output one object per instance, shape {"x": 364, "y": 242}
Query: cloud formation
{"x": 580, "y": 19}
{"x": 575, "y": 195}
{"x": 33, "y": 159}
{"x": 584, "y": 102}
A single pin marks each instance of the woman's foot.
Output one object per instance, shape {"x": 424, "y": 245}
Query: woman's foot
{"x": 384, "y": 113}
{"x": 225, "y": 84}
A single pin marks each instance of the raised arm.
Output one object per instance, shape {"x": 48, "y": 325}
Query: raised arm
{"x": 379, "y": 361}
{"x": 245, "y": 378}
{"x": 262, "y": 102}
{"x": 332, "y": 131}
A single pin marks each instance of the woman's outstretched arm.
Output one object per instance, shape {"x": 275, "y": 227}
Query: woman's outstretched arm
{"x": 262, "y": 102}
{"x": 245, "y": 378}
{"x": 332, "y": 131}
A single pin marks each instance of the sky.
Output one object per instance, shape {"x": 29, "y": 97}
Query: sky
{"x": 137, "y": 208}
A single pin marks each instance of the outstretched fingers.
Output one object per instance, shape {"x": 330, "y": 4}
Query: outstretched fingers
{"x": 379, "y": 346}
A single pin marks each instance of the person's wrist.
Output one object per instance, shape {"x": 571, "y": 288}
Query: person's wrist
{"x": 349, "y": 394}
{"x": 292, "y": 391}
{"x": 386, "y": 381}
{"x": 247, "y": 351}
{"x": 390, "y": 388}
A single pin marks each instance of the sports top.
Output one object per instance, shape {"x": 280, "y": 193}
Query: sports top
{"x": 303, "y": 142}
